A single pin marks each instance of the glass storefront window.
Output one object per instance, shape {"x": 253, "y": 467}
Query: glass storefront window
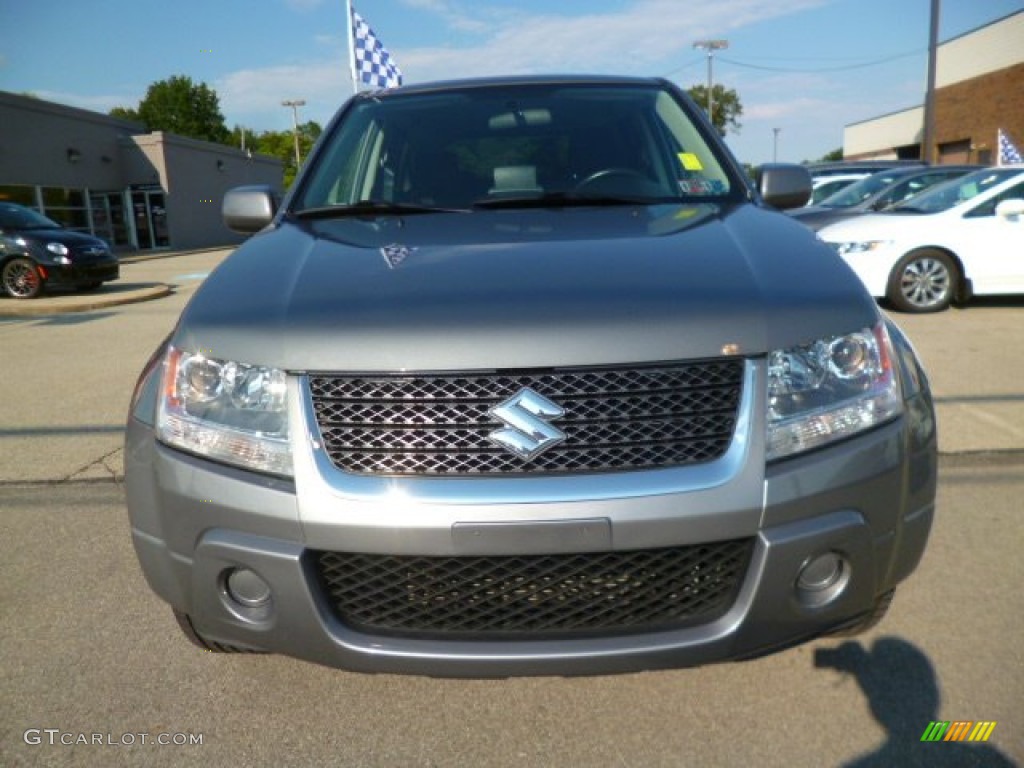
{"x": 72, "y": 218}
{"x": 18, "y": 193}
{"x": 60, "y": 197}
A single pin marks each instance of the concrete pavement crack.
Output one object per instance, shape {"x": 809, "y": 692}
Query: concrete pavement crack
{"x": 109, "y": 471}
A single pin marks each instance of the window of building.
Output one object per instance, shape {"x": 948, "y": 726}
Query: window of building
{"x": 18, "y": 193}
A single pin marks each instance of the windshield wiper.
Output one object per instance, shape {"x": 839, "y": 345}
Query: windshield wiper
{"x": 371, "y": 208}
{"x": 560, "y": 200}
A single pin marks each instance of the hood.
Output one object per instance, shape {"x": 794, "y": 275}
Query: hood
{"x": 68, "y": 237}
{"x": 817, "y": 217}
{"x": 524, "y": 288}
{"x": 877, "y": 226}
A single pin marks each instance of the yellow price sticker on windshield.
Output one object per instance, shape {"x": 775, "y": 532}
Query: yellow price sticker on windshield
{"x": 690, "y": 161}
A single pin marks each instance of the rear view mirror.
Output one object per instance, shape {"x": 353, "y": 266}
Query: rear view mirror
{"x": 784, "y": 185}
{"x": 249, "y": 209}
{"x": 1010, "y": 209}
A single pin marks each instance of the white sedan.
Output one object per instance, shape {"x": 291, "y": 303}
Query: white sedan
{"x": 957, "y": 240}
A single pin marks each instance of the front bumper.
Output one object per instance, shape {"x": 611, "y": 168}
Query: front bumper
{"x": 869, "y": 499}
{"x": 77, "y": 275}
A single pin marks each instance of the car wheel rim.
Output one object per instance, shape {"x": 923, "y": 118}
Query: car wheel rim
{"x": 925, "y": 282}
{"x": 20, "y": 280}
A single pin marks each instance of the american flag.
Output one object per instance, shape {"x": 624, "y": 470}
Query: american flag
{"x": 373, "y": 64}
{"x": 1008, "y": 153}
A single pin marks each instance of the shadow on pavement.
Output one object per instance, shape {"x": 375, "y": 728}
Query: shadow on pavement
{"x": 902, "y": 689}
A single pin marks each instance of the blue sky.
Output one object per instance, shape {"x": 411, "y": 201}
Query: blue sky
{"x": 806, "y": 67}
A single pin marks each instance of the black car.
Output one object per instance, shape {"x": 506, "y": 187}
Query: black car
{"x": 877, "y": 192}
{"x": 37, "y": 253}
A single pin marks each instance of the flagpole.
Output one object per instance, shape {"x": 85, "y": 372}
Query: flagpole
{"x": 351, "y": 46}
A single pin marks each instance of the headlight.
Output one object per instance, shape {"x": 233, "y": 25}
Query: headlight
{"x": 829, "y": 390}
{"x": 224, "y": 410}
{"x": 57, "y": 248}
{"x": 864, "y": 246}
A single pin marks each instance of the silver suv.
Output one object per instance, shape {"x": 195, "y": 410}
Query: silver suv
{"x": 525, "y": 377}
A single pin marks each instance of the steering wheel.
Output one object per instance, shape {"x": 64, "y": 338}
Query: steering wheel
{"x": 610, "y": 179}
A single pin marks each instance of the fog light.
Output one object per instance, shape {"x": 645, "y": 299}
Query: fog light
{"x": 246, "y": 588}
{"x": 822, "y": 579}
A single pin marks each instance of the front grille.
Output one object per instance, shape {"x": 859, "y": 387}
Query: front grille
{"x": 85, "y": 254}
{"x": 536, "y": 595}
{"x": 615, "y": 419}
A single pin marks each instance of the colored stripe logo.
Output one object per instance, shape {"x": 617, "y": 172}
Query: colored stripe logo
{"x": 959, "y": 730}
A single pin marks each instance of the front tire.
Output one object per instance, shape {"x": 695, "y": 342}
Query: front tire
{"x": 21, "y": 279}
{"x": 923, "y": 281}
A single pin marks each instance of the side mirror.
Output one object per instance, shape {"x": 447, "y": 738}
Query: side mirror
{"x": 783, "y": 185}
{"x": 249, "y": 209}
{"x": 1010, "y": 209}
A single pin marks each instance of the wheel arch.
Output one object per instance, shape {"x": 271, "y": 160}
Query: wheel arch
{"x": 962, "y": 291}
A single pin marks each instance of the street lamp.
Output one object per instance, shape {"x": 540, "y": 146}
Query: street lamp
{"x": 295, "y": 123}
{"x": 775, "y": 145}
{"x": 711, "y": 46}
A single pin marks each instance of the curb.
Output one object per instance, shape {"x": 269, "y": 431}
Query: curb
{"x": 140, "y": 256}
{"x": 56, "y": 305}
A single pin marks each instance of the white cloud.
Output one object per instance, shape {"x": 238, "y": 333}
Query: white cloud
{"x": 253, "y": 96}
{"x": 96, "y": 103}
{"x": 645, "y": 34}
{"x": 645, "y": 37}
{"x": 476, "y": 19}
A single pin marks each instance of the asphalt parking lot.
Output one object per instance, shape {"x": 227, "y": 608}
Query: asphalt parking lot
{"x": 89, "y": 653}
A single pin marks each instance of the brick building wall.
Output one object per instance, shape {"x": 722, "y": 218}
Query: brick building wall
{"x": 969, "y": 113}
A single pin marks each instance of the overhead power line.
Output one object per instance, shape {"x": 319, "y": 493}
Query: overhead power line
{"x": 843, "y": 68}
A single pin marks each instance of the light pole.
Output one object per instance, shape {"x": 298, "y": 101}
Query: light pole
{"x": 711, "y": 46}
{"x": 928, "y": 140}
{"x": 775, "y": 145}
{"x": 295, "y": 124}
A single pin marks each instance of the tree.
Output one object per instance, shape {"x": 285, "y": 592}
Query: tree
{"x": 833, "y": 156}
{"x": 727, "y": 108}
{"x": 177, "y": 105}
{"x": 279, "y": 144}
{"x": 125, "y": 113}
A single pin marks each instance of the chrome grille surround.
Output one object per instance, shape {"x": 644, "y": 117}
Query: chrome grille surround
{"x": 616, "y": 418}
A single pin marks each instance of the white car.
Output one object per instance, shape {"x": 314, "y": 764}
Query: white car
{"x": 824, "y": 186}
{"x": 960, "y": 239}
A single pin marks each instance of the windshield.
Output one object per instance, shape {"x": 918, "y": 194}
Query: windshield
{"x": 958, "y": 190}
{"x": 480, "y": 146}
{"x": 861, "y": 190}
{"x": 13, "y": 216}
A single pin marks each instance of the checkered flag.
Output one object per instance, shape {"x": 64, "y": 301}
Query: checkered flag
{"x": 1008, "y": 153}
{"x": 373, "y": 64}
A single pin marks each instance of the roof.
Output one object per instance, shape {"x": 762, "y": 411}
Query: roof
{"x": 515, "y": 80}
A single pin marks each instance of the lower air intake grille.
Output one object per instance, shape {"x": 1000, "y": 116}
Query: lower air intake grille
{"x": 494, "y": 597}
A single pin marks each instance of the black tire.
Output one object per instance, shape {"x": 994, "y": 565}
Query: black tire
{"x": 21, "y": 279}
{"x": 212, "y": 646}
{"x": 923, "y": 281}
{"x": 91, "y": 286}
{"x": 869, "y": 621}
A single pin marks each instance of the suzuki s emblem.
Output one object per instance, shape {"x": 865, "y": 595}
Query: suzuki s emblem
{"x": 527, "y": 433}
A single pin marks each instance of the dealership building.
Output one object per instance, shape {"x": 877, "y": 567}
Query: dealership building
{"x": 979, "y": 91}
{"x": 100, "y": 174}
